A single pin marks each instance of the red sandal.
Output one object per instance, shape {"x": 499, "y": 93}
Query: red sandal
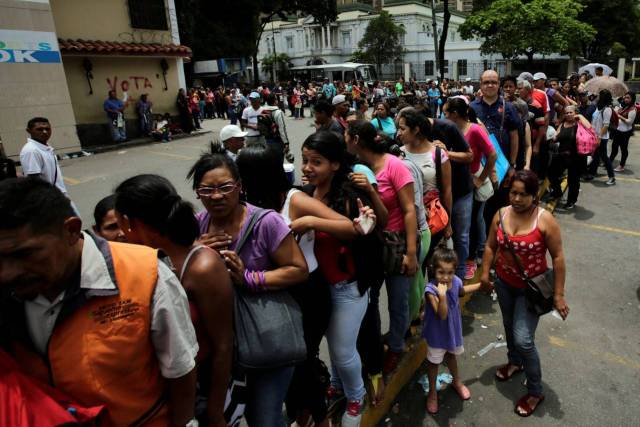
{"x": 504, "y": 372}
{"x": 523, "y": 404}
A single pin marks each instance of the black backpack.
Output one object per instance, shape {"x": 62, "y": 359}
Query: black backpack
{"x": 267, "y": 125}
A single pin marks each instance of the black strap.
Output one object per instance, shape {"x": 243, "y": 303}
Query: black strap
{"x": 379, "y": 123}
{"x": 511, "y": 250}
{"x": 253, "y": 219}
{"x": 439, "y": 169}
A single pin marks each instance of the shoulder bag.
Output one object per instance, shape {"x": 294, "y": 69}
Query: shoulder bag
{"x": 540, "y": 289}
{"x": 437, "y": 215}
{"x": 268, "y": 325}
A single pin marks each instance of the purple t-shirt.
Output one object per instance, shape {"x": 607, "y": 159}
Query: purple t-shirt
{"x": 445, "y": 334}
{"x": 265, "y": 239}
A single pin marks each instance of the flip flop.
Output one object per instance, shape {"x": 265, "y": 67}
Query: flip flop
{"x": 524, "y": 405}
{"x": 462, "y": 391}
{"x": 504, "y": 371}
{"x": 432, "y": 406}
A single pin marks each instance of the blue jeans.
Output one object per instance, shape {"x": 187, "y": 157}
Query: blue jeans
{"x": 231, "y": 111}
{"x": 520, "y": 325}
{"x": 266, "y": 391}
{"x": 478, "y": 233}
{"x": 601, "y": 154}
{"x": 398, "y": 292}
{"x": 117, "y": 134}
{"x": 347, "y": 311}
{"x": 461, "y": 224}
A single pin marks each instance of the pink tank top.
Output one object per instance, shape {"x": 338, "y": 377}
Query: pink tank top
{"x": 530, "y": 248}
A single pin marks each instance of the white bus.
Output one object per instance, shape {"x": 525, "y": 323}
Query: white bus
{"x": 344, "y": 72}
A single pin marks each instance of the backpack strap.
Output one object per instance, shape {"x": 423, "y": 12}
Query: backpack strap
{"x": 438, "y": 160}
{"x": 253, "y": 219}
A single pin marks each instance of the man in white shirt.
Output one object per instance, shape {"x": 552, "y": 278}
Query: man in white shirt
{"x": 91, "y": 311}
{"x": 232, "y": 137}
{"x": 249, "y": 120}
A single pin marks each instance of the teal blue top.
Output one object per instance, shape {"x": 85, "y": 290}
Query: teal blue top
{"x": 371, "y": 177}
{"x": 386, "y": 125}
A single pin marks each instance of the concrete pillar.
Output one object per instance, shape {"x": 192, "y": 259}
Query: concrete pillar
{"x": 407, "y": 71}
{"x": 329, "y": 36}
{"x": 324, "y": 40}
{"x": 454, "y": 70}
{"x": 508, "y": 68}
{"x": 621, "y": 62}
{"x": 633, "y": 68}
{"x": 571, "y": 66}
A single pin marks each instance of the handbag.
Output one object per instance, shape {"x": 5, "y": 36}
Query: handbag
{"x": 540, "y": 289}
{"x": 586, "y": 140}
{"x": 395, "y": 246}
{"x": 485, "y": 191}
{"x": 437, "y": 215}
{"x": 268, "y": 325}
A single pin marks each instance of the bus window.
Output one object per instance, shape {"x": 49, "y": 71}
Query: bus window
{"x": 349, "y": 76}
{"x": 337, "y": 75}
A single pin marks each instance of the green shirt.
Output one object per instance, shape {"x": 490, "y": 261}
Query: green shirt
{"x": 399, "y": 88}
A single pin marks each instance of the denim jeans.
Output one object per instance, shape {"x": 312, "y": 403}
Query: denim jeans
{"x": 398, "y": 292}
{"x": 347, "y": 311}
{"x": 231, "y": 111}
{"x": 478, "y": 232}
{"x": 520, "y": 325}
{"x": 601, "y": 154}
{"x": 117, "y": 134}
{"x": 461, "y": 224}
{"x": 266, "y": 391}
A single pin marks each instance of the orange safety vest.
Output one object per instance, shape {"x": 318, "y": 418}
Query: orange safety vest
{"x": 102, "y": 353}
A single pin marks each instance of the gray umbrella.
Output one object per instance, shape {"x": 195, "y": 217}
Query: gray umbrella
{"x": 613, "y": 85}
{"x": 591, "y": 69}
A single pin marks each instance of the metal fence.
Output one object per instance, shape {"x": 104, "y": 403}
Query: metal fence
{"x": 455, "y": 70}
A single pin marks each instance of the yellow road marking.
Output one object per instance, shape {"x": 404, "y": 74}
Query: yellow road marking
{"x": 607, "y": 356}
{"x": 604, "y": 228}
{"x": 175, "y": 156}
{"x": 71, "y": 181}
{"x": 636, "y": 180}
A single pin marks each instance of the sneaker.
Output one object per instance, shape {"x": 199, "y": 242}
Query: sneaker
{"x": 568, "y": 206}
{"x": 335, "y": 399}
{"x": 353, "y": 414}
{"x": 611, "y": 181}
{"x": 619, "y": 169}
{"x": 470, "y": 271}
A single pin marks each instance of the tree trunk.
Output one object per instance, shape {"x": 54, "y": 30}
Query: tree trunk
{"x": 443, "y": 39}
{"x": 435, "y": 34}
{"x": 529, "y": 54}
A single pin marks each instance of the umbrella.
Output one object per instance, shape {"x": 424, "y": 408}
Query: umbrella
{"x": 591, "y": 69}
{"x": 613, "y": 85}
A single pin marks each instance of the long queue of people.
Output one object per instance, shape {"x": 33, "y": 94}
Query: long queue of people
{"x": 213, "y": 315}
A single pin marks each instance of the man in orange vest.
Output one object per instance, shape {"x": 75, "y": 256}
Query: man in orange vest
{"x": 104, "y": 322}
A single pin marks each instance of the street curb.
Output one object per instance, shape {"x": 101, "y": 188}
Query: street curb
{"x": 138, "y": 142}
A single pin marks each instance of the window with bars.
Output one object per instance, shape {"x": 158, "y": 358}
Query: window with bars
{"x": 148, "y": 14}
{"x": 428, "y": 68}
{"x": 462, "y": 67}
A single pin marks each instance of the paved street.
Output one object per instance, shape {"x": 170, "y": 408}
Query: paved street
{"x": 591, "y": 362}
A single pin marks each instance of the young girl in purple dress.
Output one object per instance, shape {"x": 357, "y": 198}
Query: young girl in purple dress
{"x": 443, "y": 322}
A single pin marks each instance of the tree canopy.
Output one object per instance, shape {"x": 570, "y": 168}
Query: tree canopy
{"x": 527, "y": 27}
{"x": 381, "y": 42}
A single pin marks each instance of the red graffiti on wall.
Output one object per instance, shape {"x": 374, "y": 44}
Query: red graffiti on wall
{"x": 125, "y": 84}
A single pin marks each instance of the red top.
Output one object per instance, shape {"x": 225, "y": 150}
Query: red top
{"x": 334, "y": 259}
{"x": 530, "y": 248}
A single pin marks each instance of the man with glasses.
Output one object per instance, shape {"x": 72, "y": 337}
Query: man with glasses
{"x": 501, "y": 120}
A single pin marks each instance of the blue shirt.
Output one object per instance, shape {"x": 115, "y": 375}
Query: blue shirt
{"x": 386, "y": 126}
{"x": 433, "y": 93}
{"x": 112, "y": 104}
{"x": 360, "y": 168}
{"x": 492, "y": 117}
{"x": 444, "y": 334}
{"x": 329, "y": 90}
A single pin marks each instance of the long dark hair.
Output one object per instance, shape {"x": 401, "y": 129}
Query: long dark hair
{"x": 263, "y": 178}
{"x": 154, "y": 201}
{"x": 368, "y": 135}
{"x": 461, "y": 108}
{"x": 341, "y": 191}
{"x": 604, "y": 99}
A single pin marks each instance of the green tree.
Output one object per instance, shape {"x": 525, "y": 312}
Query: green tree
{"x": 381, "y": 42}
{"x": 614, "y": 21}
{"x": 280, "y": 61}
{"x": 525, "y": 27}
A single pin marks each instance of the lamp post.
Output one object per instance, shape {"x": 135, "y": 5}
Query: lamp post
{"x": 275, "y": 54}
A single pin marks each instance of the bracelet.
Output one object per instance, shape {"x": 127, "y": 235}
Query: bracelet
{"x": 249, "y": 280}
{"x": 262, "y": 280}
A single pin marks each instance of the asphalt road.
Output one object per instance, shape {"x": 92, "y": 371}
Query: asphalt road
{"x": 591, "y": 362}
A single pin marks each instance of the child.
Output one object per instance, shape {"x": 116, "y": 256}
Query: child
{"x": 443, "y": 322}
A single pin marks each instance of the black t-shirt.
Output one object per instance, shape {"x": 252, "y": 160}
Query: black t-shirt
{"x": 567, "y": 140}
{"x": 447, "y": 132}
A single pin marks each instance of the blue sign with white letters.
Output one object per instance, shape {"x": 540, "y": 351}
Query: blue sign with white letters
{"x": 18, "y": 46}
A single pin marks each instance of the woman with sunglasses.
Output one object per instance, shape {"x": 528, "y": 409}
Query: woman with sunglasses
{"x": 270, "y": 253}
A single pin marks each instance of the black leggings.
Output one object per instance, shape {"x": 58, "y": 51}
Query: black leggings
{"x": 621, "y": 139}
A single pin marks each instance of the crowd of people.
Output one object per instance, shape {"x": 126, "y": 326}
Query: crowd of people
{"x": 170, "y": 314}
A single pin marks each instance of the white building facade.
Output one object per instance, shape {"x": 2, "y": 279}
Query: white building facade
{"x": 308, "y": 43}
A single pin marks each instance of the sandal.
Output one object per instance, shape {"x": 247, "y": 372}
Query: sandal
{"x": 502, "y": 373}
{"x": 462, "y": 391}
{"x": 432, "y": 405}
{"x": 523, "y": 404}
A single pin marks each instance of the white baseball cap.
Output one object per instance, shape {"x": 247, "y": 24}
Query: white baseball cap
{"x": 231, "y": 131}
{"x": 539, "y": 76}
{"x": 338, "y": 99}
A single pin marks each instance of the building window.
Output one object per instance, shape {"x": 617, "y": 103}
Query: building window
{"x": 446, "y": 66}
{"x": 462, "y": 67}
{"x": 306, "y": 40}
{"x": 402, "y": 37}
{"x": 428, "y": 68}
{"x": 346, "y": 39}
{"x": 453, "y": 35}
{"x": 289, "y": 42}
{"x": 148, "y": 14}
